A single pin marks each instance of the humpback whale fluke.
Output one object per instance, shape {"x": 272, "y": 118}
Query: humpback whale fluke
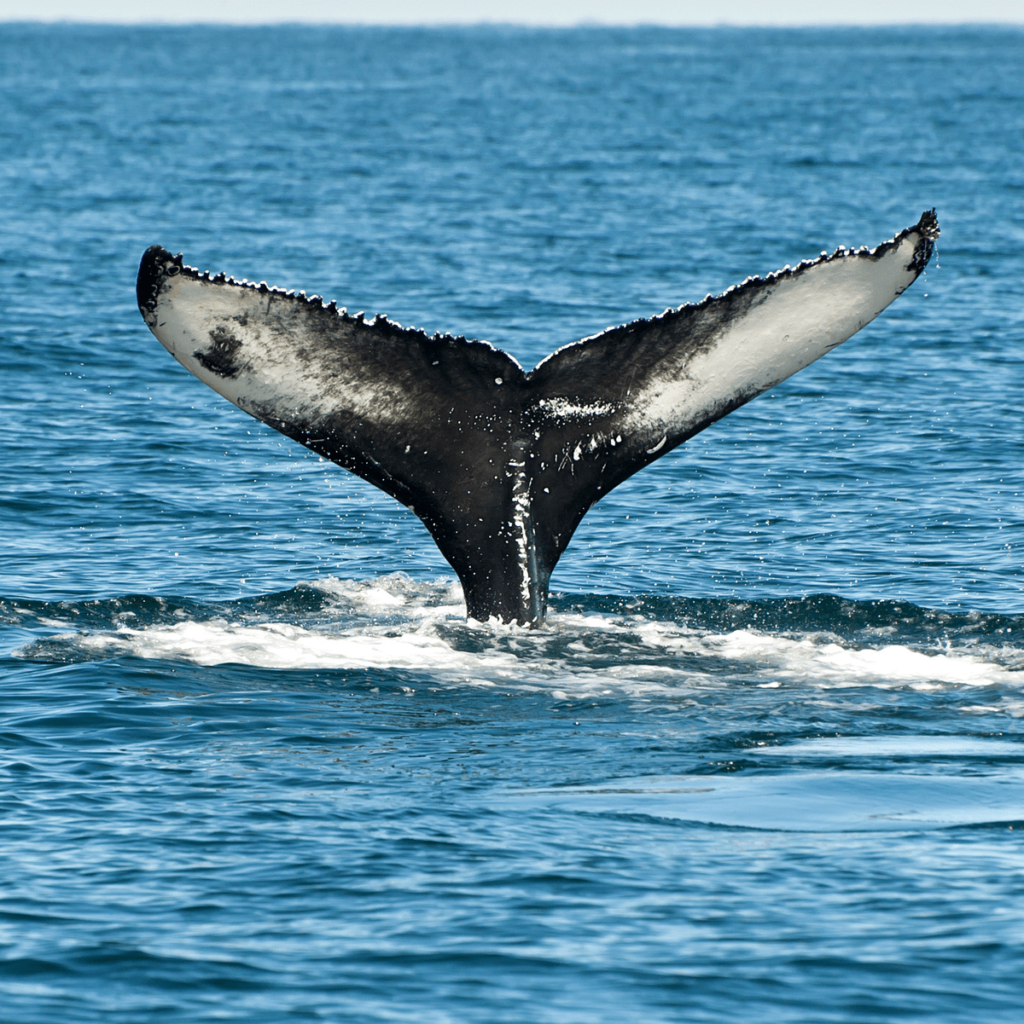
{"x": 501, "y": 465}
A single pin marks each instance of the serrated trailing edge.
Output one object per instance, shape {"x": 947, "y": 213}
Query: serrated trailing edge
{"x": 158, "y": 265}
{"x": 927, "y": 227}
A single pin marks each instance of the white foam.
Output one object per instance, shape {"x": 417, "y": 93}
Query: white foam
{"x": 830, "y": 663}
{"x": 441, "y": 599}
{"x": 395, "y": 622}
{"x": 278, "y": 645}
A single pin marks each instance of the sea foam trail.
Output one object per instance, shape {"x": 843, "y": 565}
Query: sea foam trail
{"x": 811, "y": 660}
{"x": 284, "y": 646}
{"x": 396, "y": 623}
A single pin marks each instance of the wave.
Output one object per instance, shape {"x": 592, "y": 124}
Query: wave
{"x": 591, "y": 645}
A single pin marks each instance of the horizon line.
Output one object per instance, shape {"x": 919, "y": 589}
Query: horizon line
{"x": 584, "y": 23}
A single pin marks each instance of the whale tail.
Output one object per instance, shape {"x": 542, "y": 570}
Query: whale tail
{"x": 499, "y": 464}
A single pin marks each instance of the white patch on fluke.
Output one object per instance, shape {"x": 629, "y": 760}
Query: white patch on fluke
{"x": 794, "y": 321}
{"x": 282, "y": 364}
{"x": 566, "y": 410}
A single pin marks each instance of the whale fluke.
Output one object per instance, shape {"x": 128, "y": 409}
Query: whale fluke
{"x": 499, "y": 464}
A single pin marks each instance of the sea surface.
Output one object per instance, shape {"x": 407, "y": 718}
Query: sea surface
{"x": 764, "y": 762}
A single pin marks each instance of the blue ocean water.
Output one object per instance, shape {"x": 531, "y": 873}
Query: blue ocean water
{"x": 765, "y": 760}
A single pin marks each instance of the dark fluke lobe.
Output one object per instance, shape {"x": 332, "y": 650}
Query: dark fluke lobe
{"x": 501, "y": 465}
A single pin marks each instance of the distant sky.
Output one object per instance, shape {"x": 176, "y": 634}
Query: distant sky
{"x": 523, "y": 12}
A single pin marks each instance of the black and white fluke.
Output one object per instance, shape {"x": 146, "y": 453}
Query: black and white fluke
{"x": 500, "y": 464}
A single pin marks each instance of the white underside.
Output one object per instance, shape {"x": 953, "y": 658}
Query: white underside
{"x": 274, "y": 371}
{"x": 796, "y": 321}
